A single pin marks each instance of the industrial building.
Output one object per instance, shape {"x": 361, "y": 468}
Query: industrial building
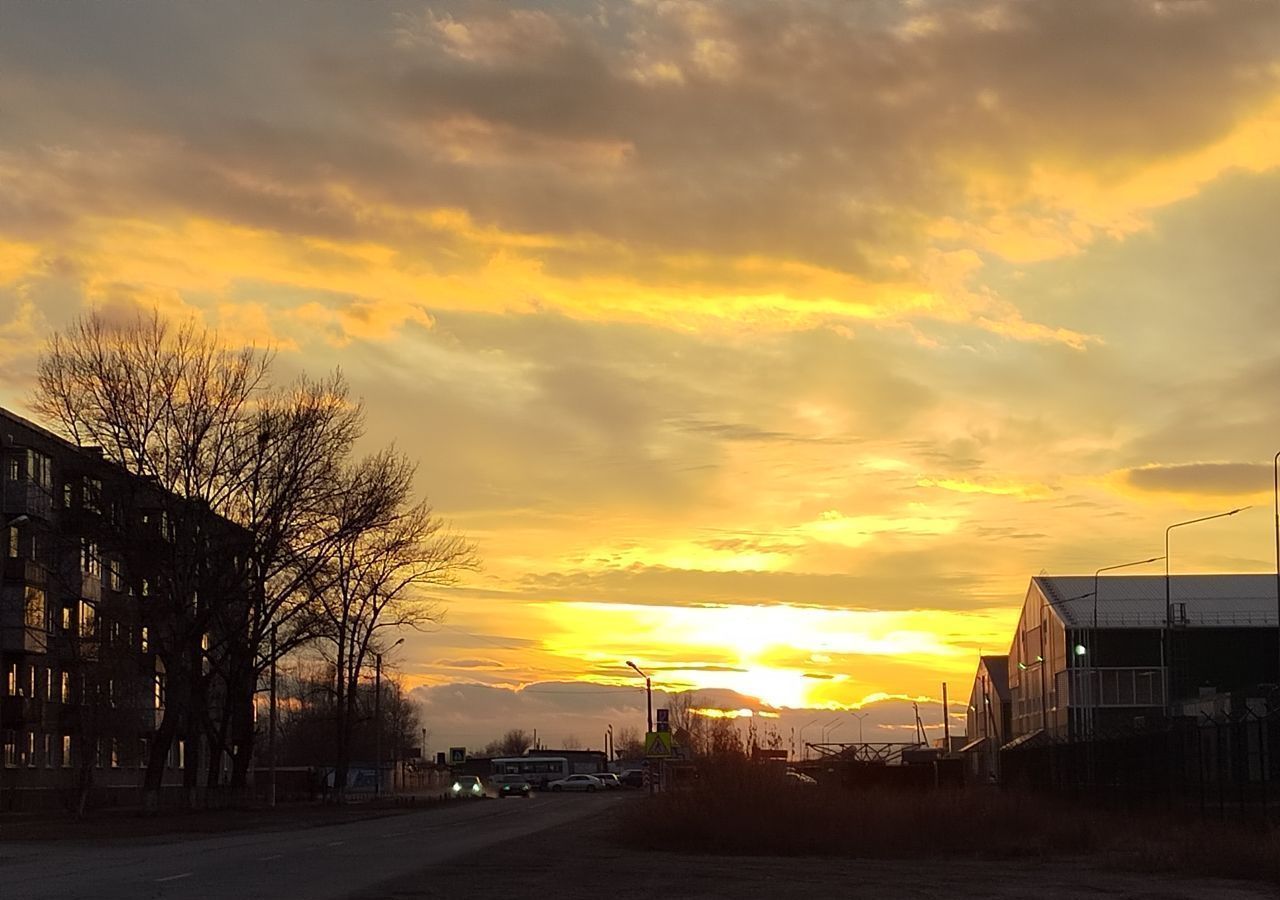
{"x": 1092, "y": 657}
{"x": 988, "y": 718}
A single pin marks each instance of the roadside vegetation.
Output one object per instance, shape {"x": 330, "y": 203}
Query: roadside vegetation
{"x": 735, "y": 808}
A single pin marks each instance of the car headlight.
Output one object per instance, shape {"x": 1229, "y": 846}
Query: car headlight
{"x": 475, "y": 788}
{"x": 457, "y": 787}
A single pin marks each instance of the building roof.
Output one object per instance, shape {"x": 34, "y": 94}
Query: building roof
{"x": 998, "y": 671}
{"x": 1138, "y": 601}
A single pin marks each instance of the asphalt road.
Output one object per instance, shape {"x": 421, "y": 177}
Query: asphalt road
{"x": 315, "y": 863}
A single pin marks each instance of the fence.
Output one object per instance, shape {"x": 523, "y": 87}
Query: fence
{"x": 1225, "y": 766}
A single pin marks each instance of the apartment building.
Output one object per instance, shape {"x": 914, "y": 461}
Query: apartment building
{"x": 83, "y": 689}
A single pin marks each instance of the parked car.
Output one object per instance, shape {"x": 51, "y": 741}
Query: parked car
{"x": 467, "y": 787}
{"x": 588, "y": 783}
{"x": 633, "y": 778}
{"x": 799, "y": 779}
{"x": 610, "y": 781}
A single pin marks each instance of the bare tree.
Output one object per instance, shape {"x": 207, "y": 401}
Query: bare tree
{"x": 571, "y": 742}
{"x": 170, "y": 407}
{"x": 388, "y": 553}
{"x": 629, "y": 744}
{"x": 515, "y": 742}
{"x": 688, "y": 726}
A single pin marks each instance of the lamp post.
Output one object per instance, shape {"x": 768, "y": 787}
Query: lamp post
{"x": 1275, "y": 467}
{"x": 860, "y": 716}
{"x": 1093, "y": 635}
{"x": 804, "y": 748}
{"x": 1166, "y": 646}
{"x": 832, "y": 726}
{"x": 648, "y": 693}
{"x": 377, "y": 719}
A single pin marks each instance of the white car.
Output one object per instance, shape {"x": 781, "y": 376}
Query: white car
{"x": 588, "y": 783}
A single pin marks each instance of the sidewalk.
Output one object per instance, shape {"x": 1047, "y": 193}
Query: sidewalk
{"x": 130, "y": 822}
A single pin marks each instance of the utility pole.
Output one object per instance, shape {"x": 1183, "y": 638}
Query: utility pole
{"x": 377, "y": 725}
{"x": 271, "y": 726}
{"x": 946, "y": 722}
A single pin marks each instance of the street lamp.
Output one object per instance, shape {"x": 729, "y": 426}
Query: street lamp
{"x": 832, "y": 725}
{"x": 1093, "y": 634}
{"x": 1275, "y": 465}
{"x": 804, "y": 748}
{"x": 648, "y": 693}
{"x": 860, "y": 716}
{"x": 1166, "y": 647}
{"x": 377, "y": 719}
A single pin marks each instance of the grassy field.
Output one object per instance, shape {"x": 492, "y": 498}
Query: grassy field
{"x": 744, "y": 813}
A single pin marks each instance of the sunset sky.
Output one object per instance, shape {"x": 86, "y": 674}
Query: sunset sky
{"x": 774, "y": 346}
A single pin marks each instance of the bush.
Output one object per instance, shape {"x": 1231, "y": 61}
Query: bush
{"x": 747, "y": 810}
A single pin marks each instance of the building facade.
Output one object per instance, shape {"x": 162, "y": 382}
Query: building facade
{"x": 83, "y": 689}
{"x": 1092, "y": 657}
{"x": 988, "y": 720}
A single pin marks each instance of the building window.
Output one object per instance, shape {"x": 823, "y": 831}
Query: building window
{"x": 66, "y": 751}
{"x": 91, "y": 489}
{"x": 88, "y": 619}
{"x": 40, "y": 469}
{"x": 48, "y": 751}
{"x": 66, "y": 495}
{"x": 48, "y": 684}
{"x": 160, "y": 690}
{"x": 66, "y": 618}
{"x": 115, "y": 753}
{"x": 14, "y": 536}
{"x": 34, "y": 614}
{"x": 13, "y": 468}
{"x": 11, "y": 679}
{"x": 32, "y": 762}
{"x": 10, "y": 739}
{"x": 115, "y": 580}
{"x": 146, "y": 588}
{"x": 66, "y": 687}
{"x": 144, "y": 639}
{"x": 90, "y": 559}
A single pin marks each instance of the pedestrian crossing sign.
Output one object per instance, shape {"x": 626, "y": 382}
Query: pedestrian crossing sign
{"x": 658, "y": 743}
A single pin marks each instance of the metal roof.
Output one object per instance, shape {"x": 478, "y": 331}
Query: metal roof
{"x": 1138, "y": 601}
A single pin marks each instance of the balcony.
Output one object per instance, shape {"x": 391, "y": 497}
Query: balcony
{"x": 18, "y": 712}
{"x": 24, "y": 639}
{"x": 90, "y": 587}
{"x": 24, "y": 497}
{"x": 23, "y": 570}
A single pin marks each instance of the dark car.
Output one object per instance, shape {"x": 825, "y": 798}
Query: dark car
{"x": 514, "y": 789}
{"x": 633, "y": 778}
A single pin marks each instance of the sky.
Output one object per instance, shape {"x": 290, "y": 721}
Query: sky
{"x": 772, "y": 346}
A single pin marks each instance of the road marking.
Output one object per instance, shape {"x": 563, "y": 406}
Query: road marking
{"x": 269, "y": 858}
{"x": 335, "y": 843}
{"x": 174, "y": 877}
{"x": 397, "y": 833}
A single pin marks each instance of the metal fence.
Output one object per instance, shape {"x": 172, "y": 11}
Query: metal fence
{"x": 1225, "y": 766}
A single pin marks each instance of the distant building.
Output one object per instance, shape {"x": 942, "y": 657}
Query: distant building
{"x": 1071, "y": 680}
{"x": 988, "y": 722}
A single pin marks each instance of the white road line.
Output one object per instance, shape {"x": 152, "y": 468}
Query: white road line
{"x": 397, "y": 833}
{"x": 335, "y": 843}
{"x": 269, "y": 858}
{"x": 174, "y": 877}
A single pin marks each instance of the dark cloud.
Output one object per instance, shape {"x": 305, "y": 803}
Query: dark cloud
{"x": 1202, "y": 478}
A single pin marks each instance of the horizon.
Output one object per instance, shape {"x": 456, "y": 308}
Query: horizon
{"x": 775, "y": 348}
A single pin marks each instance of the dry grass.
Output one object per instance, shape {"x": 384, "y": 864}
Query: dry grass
{"x": 743, "y": 812}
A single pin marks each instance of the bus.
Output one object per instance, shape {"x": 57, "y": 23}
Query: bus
{"x": 537, "y": 770}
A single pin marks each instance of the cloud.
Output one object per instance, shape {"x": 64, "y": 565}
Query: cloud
{"x": 1215, "y": 479}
